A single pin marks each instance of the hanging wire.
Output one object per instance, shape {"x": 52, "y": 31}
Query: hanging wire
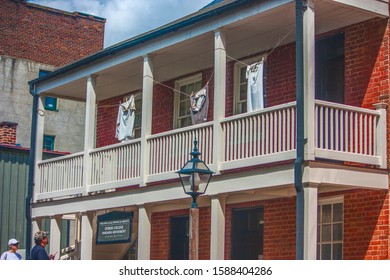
{"x": 266, "y": 56}
{"x": 212, "y": 74}
{"x": 116, "y": 105}
{"x": 174, "y": 90}
{"x": 280, "y": 41}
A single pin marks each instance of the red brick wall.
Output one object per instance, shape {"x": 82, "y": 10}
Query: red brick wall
{"x": 280, "y": 72}
{"x": 107, "y": 114}
{"x": 366, "y": 62}
{"x": 366, "y": 225}
{"x": 279, "y": 227}
{"x": 160, "y": 239}
{"x": 47, "y": 35}
{"x": 367, "y": 65}
{"x": 8, "y": 133}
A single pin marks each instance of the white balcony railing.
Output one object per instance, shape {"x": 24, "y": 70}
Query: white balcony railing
{"x": 346, "y": 133}
{"x": 116, "y": 162}
{"x": 61, "y": 174}
{"x": 263, "y": 136}
{"x": 169, "y": 151}
{"x": 342, "y": 133}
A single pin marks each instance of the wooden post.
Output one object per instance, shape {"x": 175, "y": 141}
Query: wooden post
{"x": 146, "y": 124}
{"x": 194, "y": 234}
{"x": 90, "y": 124}
{"x": 217, "y": 242}
{"x": 219, "y": 96}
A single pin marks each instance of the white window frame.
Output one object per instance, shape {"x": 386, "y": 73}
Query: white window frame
{"x": 237, "y": 82}
{"x": 178, "y": 84}
{"x": 330, "y": 201}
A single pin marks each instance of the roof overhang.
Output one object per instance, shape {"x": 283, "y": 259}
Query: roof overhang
{"x": 187, "y": 45}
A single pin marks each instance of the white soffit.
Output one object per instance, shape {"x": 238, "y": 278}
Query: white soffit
{"x": 377, "y": 7}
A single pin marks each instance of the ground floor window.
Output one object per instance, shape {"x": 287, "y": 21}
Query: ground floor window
{"x": 247, "y": 234}
{"x": 330, "y": 229}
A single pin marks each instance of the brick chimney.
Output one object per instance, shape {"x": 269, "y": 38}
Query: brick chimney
{"x": 8, "y": 133}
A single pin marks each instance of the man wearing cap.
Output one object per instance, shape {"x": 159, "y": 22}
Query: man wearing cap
{"x": 11, "y": 254}
{"x": 38, "y": 252}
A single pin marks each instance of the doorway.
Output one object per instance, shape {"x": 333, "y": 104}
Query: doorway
{"x": 179, "y": 240}
{"x": 247, "y": 234}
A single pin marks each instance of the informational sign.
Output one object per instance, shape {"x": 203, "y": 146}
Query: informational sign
{"x": 114, "y": 227}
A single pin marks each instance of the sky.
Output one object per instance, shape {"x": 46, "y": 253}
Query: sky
{"x": 128, "y": 18}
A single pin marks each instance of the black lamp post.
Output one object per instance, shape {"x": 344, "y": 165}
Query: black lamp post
{"x": 195, "y": 177}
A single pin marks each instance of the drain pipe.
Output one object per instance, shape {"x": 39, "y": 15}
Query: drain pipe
{"x": 31, "y": 172}
{"x": 300, "y": 6}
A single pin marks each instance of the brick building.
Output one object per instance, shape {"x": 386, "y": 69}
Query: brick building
{"x": 35, "y": 40}
{"x": 252, "y": 205}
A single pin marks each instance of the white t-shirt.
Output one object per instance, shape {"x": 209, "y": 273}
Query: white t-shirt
{"x": 10, "y": 256}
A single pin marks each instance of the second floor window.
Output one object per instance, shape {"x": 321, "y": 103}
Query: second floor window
{"x": 51, "y": 103}
{"x": 138, "y": 114}
{"x": 184, "y": 88}
{"x": 241, "y": 85}
{"x": 330, "y": 69}
{"x": 241, "y": 90}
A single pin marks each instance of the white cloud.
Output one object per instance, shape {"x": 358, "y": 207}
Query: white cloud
{"x": 128, "y": 18}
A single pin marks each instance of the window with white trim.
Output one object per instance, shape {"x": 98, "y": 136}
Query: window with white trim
{"x": 241, "y": 85}
{"x": 330, "y": 229}
{"x": 138, "y": 116}
{"x": 184, "y": 88}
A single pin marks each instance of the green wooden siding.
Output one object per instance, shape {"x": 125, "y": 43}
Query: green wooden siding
{"x": 13, "y": 190}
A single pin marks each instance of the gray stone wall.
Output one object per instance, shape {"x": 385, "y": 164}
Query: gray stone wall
{"x": 66, "y": 124}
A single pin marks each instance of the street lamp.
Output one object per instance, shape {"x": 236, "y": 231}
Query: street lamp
{"x": 194, "y": 177}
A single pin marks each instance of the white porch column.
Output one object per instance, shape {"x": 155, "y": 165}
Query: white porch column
{"x": 40, "y": 124}
{"x": 310, "y": 222}
{"x": 217, "y": 244}
{"x": 90, "y": 124}
{"x": 309, "y": 78}
{"x": 219, "y": 96}
{"x": 310, "y": 191}
{"x": 146, "y": 125}
{"x": 144, "y": 232}
{"x": 381, "y": 130}
{"x": 86, "y": 236}
{"x": 55, "y": 236}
